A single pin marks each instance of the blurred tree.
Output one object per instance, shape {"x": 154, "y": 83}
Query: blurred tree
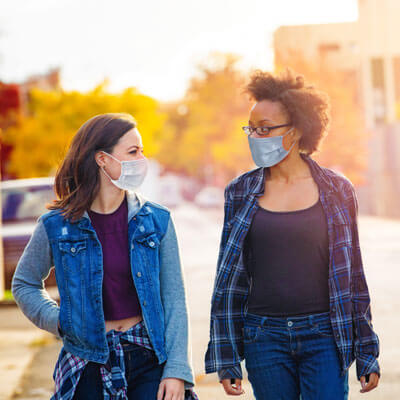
{"x": 199, "y": 136}
{"x": 41, "y": 138}
{"x": 10, "y": 106}
{"x": 203, "y": 136}
{"x": 345, "y": 148}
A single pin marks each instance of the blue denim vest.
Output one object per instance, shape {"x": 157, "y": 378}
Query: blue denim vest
{"x": 78, "y": 262}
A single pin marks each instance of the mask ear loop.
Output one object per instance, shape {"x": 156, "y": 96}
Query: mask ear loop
{"x": 105, "y": 173}
{"x": 102, "y": 168}
{"x": 291, "y": 147}
{"x": 116, "y": 159}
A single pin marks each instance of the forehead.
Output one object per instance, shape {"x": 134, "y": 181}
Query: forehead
{"x": 131, "y": 138}
{"x": 268, "y": 110}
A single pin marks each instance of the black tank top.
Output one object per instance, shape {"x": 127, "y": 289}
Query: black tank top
{"x": 287, "y": 258}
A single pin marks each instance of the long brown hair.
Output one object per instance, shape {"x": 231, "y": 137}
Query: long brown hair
{"x": 77, "y": 178}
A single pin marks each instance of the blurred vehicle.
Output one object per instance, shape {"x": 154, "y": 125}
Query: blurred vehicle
{"x": 210, "y": 197}
{"x": 170, "y": 191}
{"x": 190, "y": 188}
{"x": 23, "y": 201}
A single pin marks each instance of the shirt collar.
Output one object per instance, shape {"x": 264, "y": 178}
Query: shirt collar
{"x": 136, "y": 206}
{"x": 318, "y": 173}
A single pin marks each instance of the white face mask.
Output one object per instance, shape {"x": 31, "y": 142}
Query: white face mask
{"x": 132, "y": 174}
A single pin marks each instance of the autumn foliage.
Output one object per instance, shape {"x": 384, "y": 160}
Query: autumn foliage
{"x": 207, "y": 140}
{"x": 199, "y": 136}
{"x": 40, "y": 138}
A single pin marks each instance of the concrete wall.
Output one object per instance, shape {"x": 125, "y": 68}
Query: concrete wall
{"x": 336, "y": 44}
{"x": 370, "y": 47}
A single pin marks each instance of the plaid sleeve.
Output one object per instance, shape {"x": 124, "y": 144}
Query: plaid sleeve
{"x": 234, "y": 372}
{"x": 228, "y": 215}
{"x": 366, "y": 342}
{"x": 220, "y": 352}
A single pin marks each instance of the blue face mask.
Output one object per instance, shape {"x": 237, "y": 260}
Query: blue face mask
{"x": 268, "y": 151}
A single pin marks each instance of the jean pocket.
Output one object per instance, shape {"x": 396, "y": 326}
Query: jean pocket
{"x": 323, "y": 329}
{"x": 250, "y": 333}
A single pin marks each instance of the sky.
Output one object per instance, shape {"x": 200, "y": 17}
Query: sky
{"x": 153, "y": 45}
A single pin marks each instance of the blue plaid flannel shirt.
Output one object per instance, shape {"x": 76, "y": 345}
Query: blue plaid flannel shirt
{"x": 350, "y": 311}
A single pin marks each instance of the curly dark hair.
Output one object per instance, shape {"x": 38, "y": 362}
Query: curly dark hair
{"x": 308, "y": 108}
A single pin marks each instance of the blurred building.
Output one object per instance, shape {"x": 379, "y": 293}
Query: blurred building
{"x": 368, "y": 50}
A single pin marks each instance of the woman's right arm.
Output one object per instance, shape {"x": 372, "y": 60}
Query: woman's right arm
{"x": 229, "y": 377}
{"x": 28, "y": 282}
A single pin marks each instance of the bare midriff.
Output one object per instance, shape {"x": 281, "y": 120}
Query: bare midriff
{"x": 123, "y": 324}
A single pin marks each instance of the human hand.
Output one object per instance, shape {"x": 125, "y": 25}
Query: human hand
{"x": 232, "y": 389}
{"x": 171, "y": 389}
{"x": 372, "y": 383}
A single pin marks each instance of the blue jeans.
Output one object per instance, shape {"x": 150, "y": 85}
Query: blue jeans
{"x": 291, "y": 357}
{"x": 142, "y": 371}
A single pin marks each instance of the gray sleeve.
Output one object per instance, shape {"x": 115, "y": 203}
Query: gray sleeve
{"x": 173, "y": 296}
{"x": 28, "y": 282}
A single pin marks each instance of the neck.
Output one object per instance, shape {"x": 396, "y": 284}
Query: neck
{"x": 109, "y": 197}
{"x": 292, "y": 168}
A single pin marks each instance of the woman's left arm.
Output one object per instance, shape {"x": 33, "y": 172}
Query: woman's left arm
{"x": 173, "y": 297}
{"x": 366, "y": 342}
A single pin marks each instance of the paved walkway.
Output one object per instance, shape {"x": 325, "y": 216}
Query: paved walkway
{"x": 28, "y": 355}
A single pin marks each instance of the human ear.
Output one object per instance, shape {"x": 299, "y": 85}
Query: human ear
{"x": 296, "y": 134}
{"x": 100, "y": 159}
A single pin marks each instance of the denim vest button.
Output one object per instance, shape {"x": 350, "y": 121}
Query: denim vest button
{"x": 73, "y": 250}
{"x": 132, "y": 246}
{"x": 290, "y": 323}
{"x": 139, "y": 274}
{"x": 151, "y": 244}
{"x": 141, "y": 228}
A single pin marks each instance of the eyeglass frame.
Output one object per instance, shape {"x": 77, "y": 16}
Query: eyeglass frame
{"x": 266, "y": 129}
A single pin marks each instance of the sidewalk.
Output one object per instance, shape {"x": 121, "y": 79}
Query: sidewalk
{"x": 28, "y": 355}
{"x": 20, "y": 341}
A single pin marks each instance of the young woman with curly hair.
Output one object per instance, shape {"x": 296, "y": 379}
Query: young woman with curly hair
{"x": 290, "y": 295}
{"x": 122, "y": 315}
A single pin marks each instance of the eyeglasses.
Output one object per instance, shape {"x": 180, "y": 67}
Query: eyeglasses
{"x": 261, "y": 130}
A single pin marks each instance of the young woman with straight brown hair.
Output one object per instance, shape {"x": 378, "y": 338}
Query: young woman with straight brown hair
{"x": 122, "y": 315}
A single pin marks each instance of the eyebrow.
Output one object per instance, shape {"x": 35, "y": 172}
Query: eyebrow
{"x": 262, "y": 120}
{"x": 138, "y": 147}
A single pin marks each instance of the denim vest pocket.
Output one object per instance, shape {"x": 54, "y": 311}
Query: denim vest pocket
{"x": 150, "y": 241}
{"x": 150, "y": 246}
{"x": 72, "y": 247}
